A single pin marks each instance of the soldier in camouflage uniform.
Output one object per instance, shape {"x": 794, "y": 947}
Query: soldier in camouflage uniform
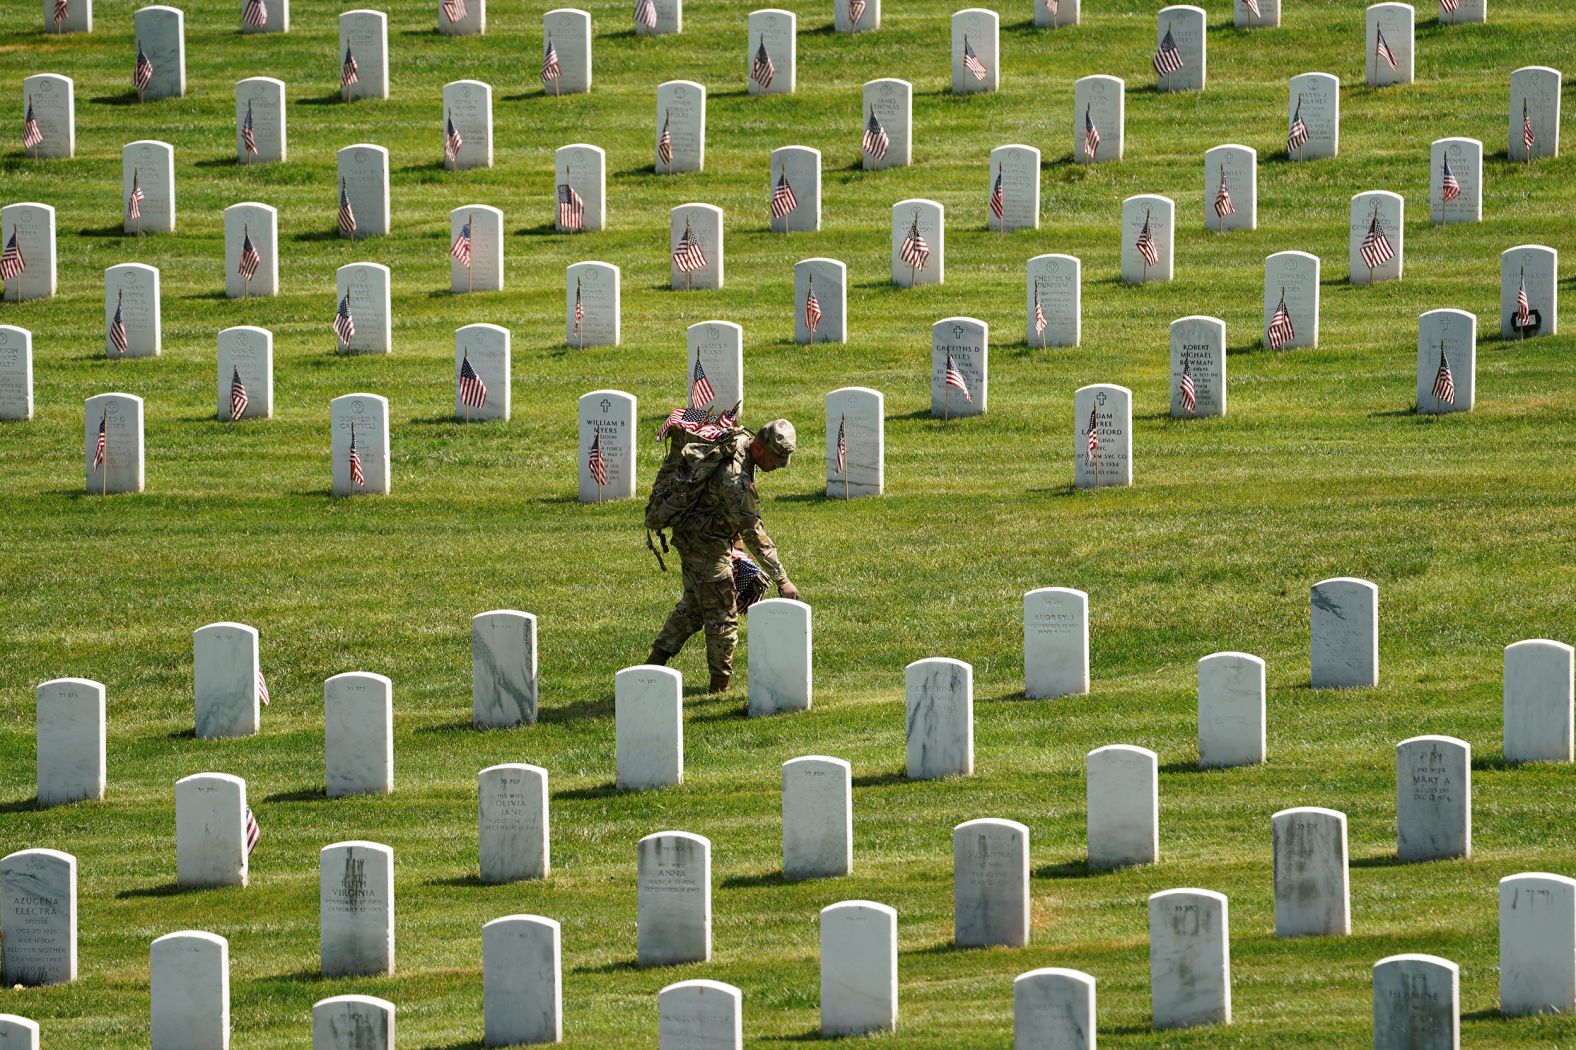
{"x": 725, "y": 511}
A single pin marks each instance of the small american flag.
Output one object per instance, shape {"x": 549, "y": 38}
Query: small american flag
{"x": 1449, "y": 186}
{"x": 134, "y": 202}
{"x": 1051, "y": 7}
{"x": 1223, "y": 205}
{"x": 1093, "y": 444}
{"x": 972, "y": 63}
{"x": 142, "y": 73}
{"x": 595, "y": 463}
{"x": 646, "y": 14}
{"x": 783, "y": 199}
{"x": 349, "y": 72}
{"x": 954, "y": 378}
{"x": 998, "y": 204}
{"x": 357, "y": 476}
{"x": 117, "y": 327}
{"x": 1189, "y": 394}
{"x": 453, "y": 10}
{"x": 62, "y": 9}
{"x": 876, "y": 143}
{"x": 689, "y": 256}
{"x": 571, "y": 208}
{"x": 250, "y": 260}
{"x": 749, "y": 582}
{"x": 101, "y": 450}
{"x": 1253, "y": 6}
{"x": 248, "y": 131}
{"x": 665, "y": 141}
{"x": 761, "y": 70}
{"x": 451, "y": 139}
{"x": 255, "y": 15}
{"x": 812, "y": 306}
{"x": 914, "y": 251}
{"x": 1298, "y": 133}
{"x": 262, "y": 687}
{"x": 1444, "y": 382}
{"x": 713, "y": 427}
{"x": 1523, "y": 307}
{"x": 238, "y": 403}
{"x": 11, "y": 262}
{"x": 461, "y": 248}
{"x": 1527, "y": 137}
{"x": 842, "y": 445}
{"x": 1091, "y": 137}
{"x": 1376, "y": 249}
{"x": 1382, "y": 49}
{"x": 1449, "y": 6}
{"x": 31, "y": 134}
{"x": 686, "y": 419}
{"x": 1039, "y": 314}
{"x": 473, "y": 391}
{"x": 551, "y": 70}
{"x": 1281, "y": 331}
{"x": 344, "y": 324}
{"x": 856, "y": 11}
{"x": 701, "y": 392}
{"x": 347, "y": 214}
{"x": 580, "y": 307}
{"x": 253, "y": 832}
{"x": 1146, "y": 244}
{"x": 1167, "y": 58}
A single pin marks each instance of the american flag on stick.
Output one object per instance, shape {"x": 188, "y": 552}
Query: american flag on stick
{"x": 783, "y": 199}
{"x": 998, "y": 203}
{"x": 1146, "y": 244}
{"x": 1039, "y": 315}
{"x": 1523, "y": 306}
{"x": 349, "y": 72}
{"x": 954, "y": 378}
{"x": 1167, "y": 59}
{"x": 1189, "y": 393}
{"x": 685, "y": 419}
{"x": 473, "y": 392}
{"x": 357, "y": 476}
{"x": 1449, "y": 185}
{"x": 856, "y": 11}
{"x": 1253, "y": 7}
{"x": 701, "y": 392}
{"x": 876, "y": 143}
{"x": 1527, "y": 137}
{"x": 972, "y": 63}
{"x": 347, "y": 214}
{"x": 117, "y": 325}
{"x": 1449, "y": 6}
{"x": 762, "y": 70}
{"x": 688, "y": 255}
{"x": 461, "y": 248}
{"x": 646, "y": 14}
{"x": 249, "y": 132}
{"x": 32, "y": 135}
{"x": 595, "y": 462}
{"x": 665, "y": 141}
{"x": 1382, "y": 49}
{"x": 453, "y": 10}
{"x": 1444, "y": 383}
{"x": 1091, "y": 140}
{"x": 1297, "y": 134}
{"x": 1281, "y": 330}
{"x": 238, "y": 402}
{"x": 101, "y": 450}
{"x": 812, "y": 307}
{"x": 842, "y": 445}
{"x": 1051, "y": 8}
{"x": 344, "y": 324}
{"x": 551, "y": 70}
{"x": 1376, "y": 249}
{"x": 12, "y": 264}
{"x": 1223, "y": 205}
{"x": 262, "y": 688}
{"x": 1093, "y": 444}
{"x": 914, "y": 251}
{"x": 571, "y": 207}
{"x": 451, "y": 139}
{"x": 142, "y": 73}
{"x": 62, "y": 9}
{"x": 253, "y": 832}
{"x": 580, "y": 308}
{"x": 255, "y": 16}
{"x": 250, "y": 260}
{"x": 134, "y": 202}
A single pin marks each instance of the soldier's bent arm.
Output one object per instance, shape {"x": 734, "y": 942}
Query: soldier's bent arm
{"x": 765, "y": 551}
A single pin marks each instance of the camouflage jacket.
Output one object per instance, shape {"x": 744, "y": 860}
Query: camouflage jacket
{"x": 728, "y": 508}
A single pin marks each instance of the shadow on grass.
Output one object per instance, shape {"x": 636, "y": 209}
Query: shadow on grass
{"x": 1382, "y": 860}
{"x": 1425, "y": 418}
{"x": 1244, "y": 349}
{"x": 1495, "y": 763}
{"x": 320, "y": 235}
{"x": 221, "y": 296}
{"x": 941, "y": 948}
{"x": 642, "y": 170}
{"x": 464, "y": 1044}
{"x": 182, "y": 734}
{"x": 868, "y": 780}
{"x": 464, "y": 882}
{"x": 625, "y": 966}
{"x": 813, "y": 1035}
{"x": 465, "y": 726}
{"x": 228, "y": 161}
{"x": 770, "y": 878}
{"x": 163, "y": 889}
{"x": 1071, "y": 869}
{"x": 546, "y": 229}
{"x": 1188, "y": 767}
{"x": 129, "y": 98}
{"x": 309, "y": 794}
{"x": 593, "y": 793}
{"x": 21, "y": 805}
{"x": 324, "y": 100}
{"x": 529, "y": 96}
{"x": 1016, "y": 696}
{"x": 430, "y": 165}
{"x": 112, "y": 230}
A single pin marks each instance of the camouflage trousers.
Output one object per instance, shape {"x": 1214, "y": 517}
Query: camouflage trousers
{"x": 707, "y": 603}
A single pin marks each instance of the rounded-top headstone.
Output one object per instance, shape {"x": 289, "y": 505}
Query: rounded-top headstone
{"x": 1344, "y": 632}
{"x": 522, "y": 980}
{"x": 673, "y": 899}
{"x": 132, "y": 291}
{"x": 1053, "y": 290}
{"x": 780, "y": 655}
{"x": 927, "y": 265}
{"x": 1390, "y": 47}
{"x": 1316, "y": 98}
{"x": 1231, "y": 729}
{"x": 38, "y": 917}
{"x": 1537, "y": 944}
{"x": 1291, "y": 282}
{"x": 858, "y": 968}
{"x": 353, "y": 1022}
{"x": 1053, "y": 1007}
{"x": 503, "y": 668}
{"x": 569, "y": 31}
{"x": 190, "y": 991}
{"x": 1055, "y": 643}
{"x": 1534, "y": 99}
{"x": 1198, "y": 355}
{"x": 681, "y": 112}
{"x": 774, "y": 31}
{"x": 1446, "y": 361}
{"x": 976, "y": 33}
{"x": 71, "y": 740}
{"x": 1312, "y": 889}
{"x": 1538, "y": 706}
{"x": 860, "y": 414}
{"x": 1237, "y": 169}
{"x": 487, "y": 348}
{"x": 1107, "y": 410}
{"x": 940, "y": 718}
{"x": 964, "y": 343}
{"x": 1157, "y": 215}
{"x": 49, "y": 100}
{"x": 888, "y": 119}
{"x": 1433, "y": 798}
{"x": 1123, "y": 811}
{"x": 990, "y": 883}
{"x": 161, "y": 35}
{"x": 648, "y": 727}
{"x": 358, "y": 733}
{"x": 700, "y": 1015}
{"x": 1189, "y": 958}
{"x": 1533, "y": 268}
{"x": 1417, "y": 1003}
{"x": 33, "y": 226}
{"x": 16, "y": 373}
{"x": 513, "y": 842}
{"x": 356, "y": 910}
{"x": 1099, "y": 118}
{"x": 818, "y": 817}
{"x": 18, "y": 1033}
{"x": 264, "y": 98}
{"x": 225, "y": 674}
{"x": 210, "y": 830}
{"x": 364, "y": 35}
{"x": 594, "y": 287}
{"x": 1462, "y": 159}
{"x": 122, "y": 467}
{"x": 258, "y": 223}
{"x": 607, "y": 423}
{"x": 1187, "y": 26}
{"x": 363, "y": 175}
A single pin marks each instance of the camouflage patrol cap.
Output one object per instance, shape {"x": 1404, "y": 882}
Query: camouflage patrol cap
{"x": 780, "y": 440}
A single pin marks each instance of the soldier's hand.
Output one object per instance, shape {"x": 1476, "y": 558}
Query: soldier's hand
{"x": 788, "y": 590}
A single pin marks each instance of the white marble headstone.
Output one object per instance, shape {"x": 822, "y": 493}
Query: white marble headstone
{"x": 1390, "y": 211}
{"x": 891, "y": 102}
{"x": 929, "y": 218}
{"x": 779, "y": 654}
{"x": 596, "y": 286}
{"x": 16, "y": 373}
{"x": 79, "y": 19}
{"x": 1538, "y": 694}
{"x": 249, "y": 351}
{"x": 583, "y": 168}
{"x": 1055, "y": 15}
{"x": 1241, "y": 167}
{"x": 121, "y": 417}
{"x": 1187, "y": 26}
{"x": 818, "y": 818}
{"x": 648, "y": 727}
{"x": 1101, "y": 101}
{"x": 704, "y": 225}
{"x": 1535, "y": 93}
{"x": 70, "y": 740}
{"x": 976, "y": 29}
{"x": 800, "y": 167}
{"x": 940, "y": 718}
{"x": 607, "y": 419}
{"x": 1389, "y": 24}
{"x": 1231, "y": 713}
{"x": 1267, "y": 18}
{"x": 356, "y": 908}
{"x": 681, "y": 108}
{"x": 161, "y": 33}
{"x": 1294, "y": 275}
{"x": 1465, "y": 158}
{"x": 522, "y": 981}
{"x": 673, "y": 899}
{"x": 1539, "y": 266}
{"x": 669, "y": 19}
{"x": 224, "y": 676}
{"x": 861, "y": 413}
{"x": 363, "y": 173}
{"x": 1159, "y": 215}
{"x": 828, "y": 279}
{"x": 1312, "y": 895}
{"x": 1057, "y": 281}
{"x": 1053, "y": 1007}
{"x": 513, "y": 843}
{"x": 358, "y": 734}
{"x": 503, "y": 667}
{"x": 1417, "y": 1003}
{"x": 719, "y": 347}
{"x": 967, "y": 341}
{"x": 485, "y": 273}
{"x": 33, "y": 226}
{"x": 51, "y": 101}
{"x": 364, "y": 36}
{"x": 363, "y": 418}
{"x": 1122, "y": 785}
{"x": 468, "y": 103}
{"x": 1109, "y": 408}
{"x": 569, "y": 31}
{"x": 18, "y": 1033}
{"x": 148, "y": 165}
{"x": 1343, "y": 633}
{"x": 260, "y": 222}
{"x": 1453, "y": 334}
{"x": 367, "y": 285}
{"x": 1018, "y": 167}
{"x": 38, "y": 917}
{"x": 265, "y": 97}
{"x": 1198, "y": 345}
{"x": 990, "y": 884}
{"x": 1189, "y": 958}
{"x": 472, "y": 23}
{"x": 775, "y": 30}
{"x": 1433, "y": 798}
{"x": 353, "y": 1022}
{"x": 858, "y": 968}
{"x": 700, "y": 1015}
{"x": 210, "y": 830}
{"x": 276, "y": 16}
{"x": 1537, "y": 944}
{"x": 189, "y": 989}
{"x": 486, "y": 346}
{"x": 1316, "y": 97}
{"x": 1466, "y": 11}
{"x": 132, "y": 289}
{"x": 1055, "y": 643}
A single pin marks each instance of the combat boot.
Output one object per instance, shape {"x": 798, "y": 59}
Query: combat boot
{"x": 658, "y": 657}
{"x": 719, "y": 682}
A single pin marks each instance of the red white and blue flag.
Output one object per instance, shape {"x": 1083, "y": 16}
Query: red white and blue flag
{"x": 238, "y": 402}
{"x": 954, "y": 378}
{"x": 473, "y": 392}
{"x": 32, "y": 135}
{"x": 701, "y": 392}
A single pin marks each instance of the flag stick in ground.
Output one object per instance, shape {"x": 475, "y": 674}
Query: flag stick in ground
{"x": 468, "y": 261}
{"x": 946, "y": 403}
{"x": 1521, "y": 330}
{"x": 104, "y": 466}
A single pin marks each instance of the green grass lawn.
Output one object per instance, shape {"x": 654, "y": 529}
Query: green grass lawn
{"x": 1466, "y": 523}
